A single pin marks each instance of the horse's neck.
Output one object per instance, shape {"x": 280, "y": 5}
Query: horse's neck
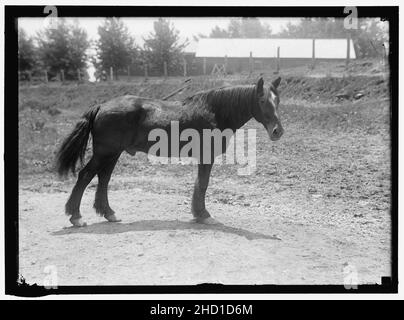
{"x": 243, "y": 120}
{"x": 240, "y": 115}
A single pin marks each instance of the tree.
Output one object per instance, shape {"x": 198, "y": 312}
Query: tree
{"x": 163, "y": 45}
{"x": 78, "y": 45}
{"x": 198, "y": 36}
{"x": 368, "y": 38}
{"x": 26, "y": 52}
{"x": 253, "y": 28}
{"x": 63, "y": 47}
{"x": 243, "y": 28}
{"x": 116, "y": 48}
{"x": 315, "y": 28}
{"x": 218, "y": 32}
{"x": 234, "y": 28}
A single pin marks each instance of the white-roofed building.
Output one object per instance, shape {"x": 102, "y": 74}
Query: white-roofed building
{"x": 293, "y": 52}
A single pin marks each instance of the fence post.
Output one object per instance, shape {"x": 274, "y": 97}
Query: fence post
{"x": 185, "y": 67}
{"x": 278, "y": 58}
{"x": 225, "y": 64}
{"x": 62, "y": 75}
{"x": 78, "y": 75}
{"x": 165, "y": 69}
{"x": 386, "y": 59}
{"x": 111, "y": 74}
{"x": 146, "y": 73}
{"x": 313, "y": 57}
{"x": 251, "y": 62}
{"x": 46, "y": 75}
{"x": 348, "y": 50}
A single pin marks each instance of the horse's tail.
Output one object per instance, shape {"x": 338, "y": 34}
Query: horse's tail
{"x": 75, "y": 144}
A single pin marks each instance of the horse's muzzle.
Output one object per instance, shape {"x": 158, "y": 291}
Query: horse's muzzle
{"x": 277, "y": 133}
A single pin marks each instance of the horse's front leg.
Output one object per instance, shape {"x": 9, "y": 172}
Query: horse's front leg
{"x": 201, "y": 215}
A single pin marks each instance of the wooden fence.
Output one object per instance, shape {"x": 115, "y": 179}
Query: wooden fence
{"x": 220, "y": 69}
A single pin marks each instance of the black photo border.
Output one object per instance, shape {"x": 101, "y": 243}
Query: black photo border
{"x": 12, "y": 13}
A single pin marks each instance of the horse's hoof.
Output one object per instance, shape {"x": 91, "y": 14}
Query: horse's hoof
{"x": 78, "y": 223}
{"x": 207, "y": 221}
{"x": 112, "y": 218}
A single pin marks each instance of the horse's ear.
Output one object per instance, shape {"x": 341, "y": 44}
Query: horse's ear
{"x": 276, "y": 82}
{"x": 260, "y": 87}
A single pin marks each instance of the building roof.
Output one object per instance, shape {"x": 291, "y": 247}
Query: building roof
{"x": 267, "y": 48}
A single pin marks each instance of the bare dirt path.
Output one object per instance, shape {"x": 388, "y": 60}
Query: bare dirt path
{"x": 156, "y": 244}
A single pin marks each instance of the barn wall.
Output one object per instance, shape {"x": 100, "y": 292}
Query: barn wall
{"x": 237, "y": 65}
{"x": 234, "y": 65}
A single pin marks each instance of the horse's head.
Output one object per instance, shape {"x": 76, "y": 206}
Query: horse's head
{"x": 267, "y": 111}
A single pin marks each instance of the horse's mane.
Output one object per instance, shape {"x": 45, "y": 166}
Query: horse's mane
{"x": 230, "y": 104}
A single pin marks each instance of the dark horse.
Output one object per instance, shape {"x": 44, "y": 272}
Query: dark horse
{"x": 124, "y": 124}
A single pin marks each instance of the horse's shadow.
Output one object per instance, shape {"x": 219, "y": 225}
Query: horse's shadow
{"x": 159, "y": 225}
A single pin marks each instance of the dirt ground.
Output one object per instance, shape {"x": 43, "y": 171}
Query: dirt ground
{"x": 319, "y": 199}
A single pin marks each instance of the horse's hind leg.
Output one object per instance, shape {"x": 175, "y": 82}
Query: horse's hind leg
{"x": 73, "y": 204}
{"x": 101, "y": 204}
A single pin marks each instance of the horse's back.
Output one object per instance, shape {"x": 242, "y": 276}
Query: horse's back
{"x": 122, "y": 104}
{"x": 127, "y": 120}
{"x": 120, "y": 119}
